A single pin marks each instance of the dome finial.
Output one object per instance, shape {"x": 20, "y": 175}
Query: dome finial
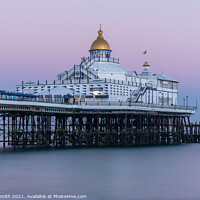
{"x": 100, "y": 32}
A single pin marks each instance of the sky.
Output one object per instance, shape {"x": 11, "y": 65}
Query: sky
{"x": 41, "y": 38}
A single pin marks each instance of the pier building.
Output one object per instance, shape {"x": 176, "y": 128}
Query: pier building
{"x": 100, "y": 78}
{"x": 97, "y": 103}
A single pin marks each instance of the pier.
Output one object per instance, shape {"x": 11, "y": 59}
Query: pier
{"x": 98, "y": 102}
{"x": 40, "y": 124}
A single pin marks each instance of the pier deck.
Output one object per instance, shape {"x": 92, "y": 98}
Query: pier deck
{"x": 36, "y": 124}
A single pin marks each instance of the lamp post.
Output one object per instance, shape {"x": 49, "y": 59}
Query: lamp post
{"x": 49, "y": 93}
{"x": 186, "y": 101}
{"x": 130, "y": 99}
{"x": 73, "y": 97}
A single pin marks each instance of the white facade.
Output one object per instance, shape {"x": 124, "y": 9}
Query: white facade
{"x": 101, "y": 78}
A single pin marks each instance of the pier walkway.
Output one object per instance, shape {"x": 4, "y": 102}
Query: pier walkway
{"x": 37, "y": 106}
{"x": 36, "y": 124}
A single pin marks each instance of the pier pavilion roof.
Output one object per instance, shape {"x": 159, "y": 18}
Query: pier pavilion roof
{"x": 164, "y": 77}
{"x": 108, "y": 67}
{"x": 59, "y": 90}
{"x": 147, "y": 73}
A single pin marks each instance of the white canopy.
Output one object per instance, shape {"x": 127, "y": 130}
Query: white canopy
{"x": 59, "y": 90}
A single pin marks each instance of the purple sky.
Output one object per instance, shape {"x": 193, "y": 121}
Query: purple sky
{"x": 41, "y": 38}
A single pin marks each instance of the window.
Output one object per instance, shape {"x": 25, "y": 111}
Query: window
{"x": 175, "y": 86}
{"x": 170, "y": 85}
{"x": 165, "y": 84}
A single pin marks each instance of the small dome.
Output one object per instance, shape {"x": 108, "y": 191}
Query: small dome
{"x": 146, "y": 64}
{"x": 100, "y": 43}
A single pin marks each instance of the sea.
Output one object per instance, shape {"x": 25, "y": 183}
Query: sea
{"x": 103, "y": 173}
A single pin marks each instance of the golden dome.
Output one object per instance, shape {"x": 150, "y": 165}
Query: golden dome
{"x": 100, "y": 43}
{"x": 146, "y": 64}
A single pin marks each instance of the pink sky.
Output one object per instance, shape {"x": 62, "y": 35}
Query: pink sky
{"x": 41, "y": 38}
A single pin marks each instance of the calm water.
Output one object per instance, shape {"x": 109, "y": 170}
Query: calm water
{"x": 163, "y": 172}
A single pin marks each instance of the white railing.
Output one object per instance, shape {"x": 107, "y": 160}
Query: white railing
{"x": 125, "y": 103}
{"x": 82, "y": 81}
{"x": 106, "y": 103}
{"x": 87, "y": 63}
